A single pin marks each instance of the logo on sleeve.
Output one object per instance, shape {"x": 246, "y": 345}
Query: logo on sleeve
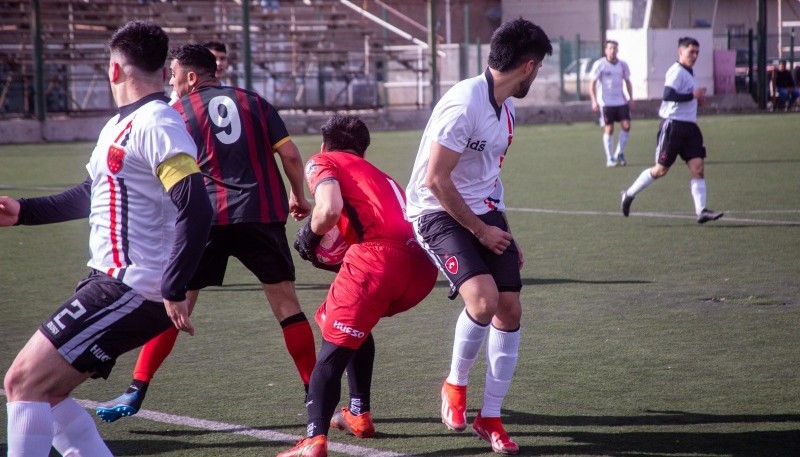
{"x": 310, "y": 168}
{"x": 477, "y": 145}
{"x": 115, "y": 158}
{"x": 451, "y": 264}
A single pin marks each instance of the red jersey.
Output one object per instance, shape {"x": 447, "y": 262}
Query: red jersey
{"x": 374, "y": 204}
{"x": 237, "y": 133}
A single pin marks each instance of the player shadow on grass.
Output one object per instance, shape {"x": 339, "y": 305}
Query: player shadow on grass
{"x": 555, "y": 281}
{"x": 257, "y": 287}
{"x": 550, "y": 436}
{"x": 124, "y": 447}
{"x": 694, "y": 440}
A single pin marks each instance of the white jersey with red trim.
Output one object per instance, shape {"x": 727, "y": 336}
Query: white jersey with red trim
{"x": 466, "y": 120}
{"x": 132, "y": 217}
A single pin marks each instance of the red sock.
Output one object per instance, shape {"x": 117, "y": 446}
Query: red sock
{"x": 300, "y": 343}
{"x": 153, "y": 354}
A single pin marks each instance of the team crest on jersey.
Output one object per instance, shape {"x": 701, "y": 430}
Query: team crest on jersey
{"x": 115, "y": 158}
{"x": 451, "y": 264}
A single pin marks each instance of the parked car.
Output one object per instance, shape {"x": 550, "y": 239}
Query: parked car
{"x": 578, "y": 68}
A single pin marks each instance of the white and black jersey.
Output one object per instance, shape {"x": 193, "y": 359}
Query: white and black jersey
{"x": 132, "y": 216}
{"x": 679, "y": 103}
{"x": 467, "y": 120}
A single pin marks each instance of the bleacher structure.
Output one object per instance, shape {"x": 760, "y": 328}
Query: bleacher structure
{"x": 305, "y": 54}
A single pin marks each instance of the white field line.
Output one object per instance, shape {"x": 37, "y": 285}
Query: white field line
{"x": 264, "y": 435}
{"x": 670, "y": 215}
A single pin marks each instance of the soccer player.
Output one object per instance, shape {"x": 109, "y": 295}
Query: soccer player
{"x": 455, "y": 202}
{"x": 679, "y": 134}
{"x": 237, "y": 134}
{"x": 609, "y": 73}
{"x": 384, "y": 272}
{"x": 220, "y": 52}
{"x": 149, "y": 217}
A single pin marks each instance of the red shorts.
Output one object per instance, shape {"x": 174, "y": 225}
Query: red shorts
{"x": 377, "y": 279}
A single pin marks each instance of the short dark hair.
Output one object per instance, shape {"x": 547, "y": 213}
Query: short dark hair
{"x": 685, "y": 42}
{"x": 782, "y": 61}
{"x": 515, "y": 42}
{"x": 196, "y": 57}
{"x": 612, "y": 42}
{"x": 342, "y": 132}
{"x": 216, "y": 46}
{"x": 143, "y": 45}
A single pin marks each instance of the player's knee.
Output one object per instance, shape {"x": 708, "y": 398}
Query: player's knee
{"x": 14, "y": 383}
{"x": 659, "y": 171}
{"x": 482, "y": 310}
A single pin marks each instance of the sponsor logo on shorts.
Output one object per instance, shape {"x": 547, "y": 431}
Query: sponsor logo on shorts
{"x": 452, "y": 265}
{"x": 99, "y": 353}
{"x": 52, "y": 328}
{"x": 348, "y": 330}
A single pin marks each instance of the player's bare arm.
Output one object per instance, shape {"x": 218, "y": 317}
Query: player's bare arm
{"x": 593, "y": 94}
{"x": 629, "y": 86}
{"x": 292, "y": 162}
{"x": 9, "y": 211}
{"x": 437, "y": 178}
{"x": 328, "y": 206}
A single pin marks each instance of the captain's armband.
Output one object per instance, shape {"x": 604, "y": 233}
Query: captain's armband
{"x": 176, "y": 168}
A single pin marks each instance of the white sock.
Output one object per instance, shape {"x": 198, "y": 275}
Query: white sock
{"x": 641, "y": 183}
{"x": 30, "y": 428}
{"x": 502, "y": 352}
{"x": 466, "y": 344}
{"x": 75, "y": 432}
{"x": 608, "y": 143}
{"x": 698, "y": 187}
{"x": 623, "y": 140}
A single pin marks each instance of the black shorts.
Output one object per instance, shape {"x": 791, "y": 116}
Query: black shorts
{"x": 678, "y": 138}
{"x": 460, "y": 256}
{"x": 262, "y": 249}
{"x": 103, "y": 319}
{"x": 613, "y": 114}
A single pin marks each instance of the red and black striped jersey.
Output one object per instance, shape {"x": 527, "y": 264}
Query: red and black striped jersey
{"x": 237, "y": 133}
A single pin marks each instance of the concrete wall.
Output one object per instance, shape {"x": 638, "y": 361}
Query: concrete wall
{"x": 559, "y": 18}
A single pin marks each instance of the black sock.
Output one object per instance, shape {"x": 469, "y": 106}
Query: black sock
{"x": 325, "y": 387}
{"x": 138, "y": 386}
{"x": 359, "y": 376}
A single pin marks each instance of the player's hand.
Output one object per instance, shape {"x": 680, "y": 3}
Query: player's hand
{"x": 521, "y": 259}
{"x": 9, "y": 211}
{"x": 631, "y": 104}
{"x": 306, "y": 242}
{"x": 178, "y": 312}
{"x": 700, "y": 95}
{"x": 595, "y": 107}
{"x": 495, "y": 239}
{"x": 299, "y": 208}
